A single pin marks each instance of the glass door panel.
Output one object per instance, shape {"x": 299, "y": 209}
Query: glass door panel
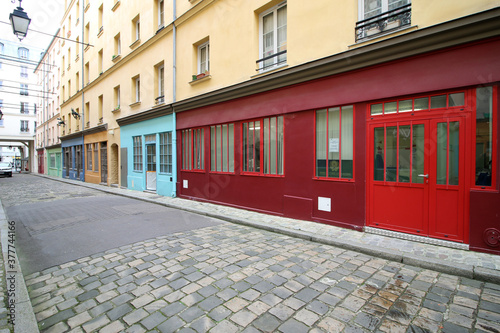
{"x": 379, "y": 153}
{"x": 418, "y": 154}
{"x": 391, "y": 154}
{"x": 404, "y": 153}
{"x": 151, "y": 157}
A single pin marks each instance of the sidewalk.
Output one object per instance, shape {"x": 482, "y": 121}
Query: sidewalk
{"x": 465, "y": 263}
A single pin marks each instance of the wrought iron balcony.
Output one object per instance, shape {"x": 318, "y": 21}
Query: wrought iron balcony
{"x": 263, "y": 63}
{"x": 159, "y": 100}
{"x": 382, "y": 23}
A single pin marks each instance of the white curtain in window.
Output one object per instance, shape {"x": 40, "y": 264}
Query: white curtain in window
{"x": 347, "y": 148}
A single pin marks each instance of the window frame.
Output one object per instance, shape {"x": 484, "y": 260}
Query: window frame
{"x": 494, "y": 143}
{"x": 166, "y": 149}
{"x": 23, "y": 53}
{"x": 161, "y": 14}
{"x": 224, "y": 157}
{"x": 24, "y": 126}
{"x": 276, "y": 62}
{"x": 384, "y": 9}
{"x": 161, "y": 81}
{"x": 96, "y": 157}
{"x": 137, "y": 155}
{"x": 89, "y": 156}
{"x": 339, "y": 178}
{"x": 262, "y": 151}
{"x": 188, "y": 160}
{"x": 205, "y": 61}
{"x": 137, "y": 92}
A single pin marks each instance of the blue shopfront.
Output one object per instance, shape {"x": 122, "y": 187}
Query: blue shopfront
{"x": 73, "y": 157}
{"x": 147, "y": 148}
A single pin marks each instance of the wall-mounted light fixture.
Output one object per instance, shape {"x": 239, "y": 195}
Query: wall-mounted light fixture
{"x": 1, "y": 115}
{"x": 20, "y": 22}
{"x": 75, "y": 114}
{"x": 60, "y": 122}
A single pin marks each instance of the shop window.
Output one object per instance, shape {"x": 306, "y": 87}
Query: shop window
{"x": 193, "y": 153}
{"x": 137, "y": 153}
{"x": 263, "y": 146}
{"x": 96, "y": 157}
{"x": 222, "y": 148}
{"x": 485, "y": 137}
{"x": 166, "y": 152}
{"x": 335, "y": 143}
{"x": 418, "y": 104}
{"x": 89, "y": 157}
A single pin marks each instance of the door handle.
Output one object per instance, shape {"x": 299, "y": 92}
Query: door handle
{"x": 425, "y": 176}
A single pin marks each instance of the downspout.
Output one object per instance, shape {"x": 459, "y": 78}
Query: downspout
{"x": 82, "y": 111}
{"x": 174, "y": 99}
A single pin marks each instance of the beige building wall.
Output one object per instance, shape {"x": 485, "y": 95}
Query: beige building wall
{"x": 118, "y": 54}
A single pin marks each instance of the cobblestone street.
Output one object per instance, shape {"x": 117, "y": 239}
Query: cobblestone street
{"x": 234, "y": 278}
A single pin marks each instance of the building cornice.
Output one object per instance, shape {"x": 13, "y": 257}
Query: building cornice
{"x": 146, "y": 115}
{"x": 92, "y": 130}
{"x": 448, "y": 34}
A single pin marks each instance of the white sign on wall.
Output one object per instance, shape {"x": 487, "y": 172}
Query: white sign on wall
{"x": 325, "y": 204}
{"x": 185, "y": 183}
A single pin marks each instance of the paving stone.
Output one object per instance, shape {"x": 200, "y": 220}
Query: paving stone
{"x": 135, "y": 316}
{"x": 153, "y": 320}
{"x": 293, "y": 326}
{"x": 101, "y": 308}
{"x": 173, "y": 309}
{"x": 191, "y": 313}
{"x": 243, "y": 318}
{"x": 219, "y": 313}
{"x": 171, "y": 325}
{"x": 119, "y": 311}
{"x": 367, "y": 321}
{"x": 56, "y": 318}
{"x": 307, "y": 317}
{"x": 210, "y": 303}
{"x": 79, "y": 319}
{"x": 114, "y": 327}
{"x": 95, "y": 323}
{"x": 224, "y": 327}
{"x": 331, "y": 325}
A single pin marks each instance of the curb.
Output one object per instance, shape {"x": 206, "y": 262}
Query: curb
{"x": 25, "y": 320}
{"x": 462, "y": 270}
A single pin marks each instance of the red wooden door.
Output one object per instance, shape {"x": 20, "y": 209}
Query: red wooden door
{"x": 447, "y": 179}
{"x": 416, "y": 177}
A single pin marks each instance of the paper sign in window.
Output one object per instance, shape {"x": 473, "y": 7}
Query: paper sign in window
{"x": 333, "y": 146}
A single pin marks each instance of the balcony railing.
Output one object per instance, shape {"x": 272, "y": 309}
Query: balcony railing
{"x": 262, "y": 63}
{"x": 382, "y": 23}
{"x": 159, "y": 100}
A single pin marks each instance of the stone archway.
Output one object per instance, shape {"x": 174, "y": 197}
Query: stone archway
{"x": 113, "y": 165}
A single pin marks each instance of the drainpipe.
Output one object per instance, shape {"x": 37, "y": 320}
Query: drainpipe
{"x": 82, "y": 110}
{"x": 174, "y": 99}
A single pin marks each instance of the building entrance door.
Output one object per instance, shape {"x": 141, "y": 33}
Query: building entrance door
{"x": 104, "y": 162}
{"x": 417, "y": 177}
{"x": 151, "y": 167}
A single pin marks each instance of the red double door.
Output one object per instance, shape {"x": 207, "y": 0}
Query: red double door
{"x": 417, "y": 177}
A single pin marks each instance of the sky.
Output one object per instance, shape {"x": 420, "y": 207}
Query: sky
{"x": 45, "y": 17}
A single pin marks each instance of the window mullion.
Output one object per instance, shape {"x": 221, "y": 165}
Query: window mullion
{"x": 340, "y": 143}
{"x": 261, "y": 144}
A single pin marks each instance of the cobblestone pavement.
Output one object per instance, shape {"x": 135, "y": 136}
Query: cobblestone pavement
{"x": 235, "y": 278}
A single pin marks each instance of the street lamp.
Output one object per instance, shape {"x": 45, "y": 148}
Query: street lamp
{"x": 20, "y": 22}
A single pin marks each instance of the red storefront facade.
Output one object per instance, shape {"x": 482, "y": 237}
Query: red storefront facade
{"x": 397, "y": 145}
